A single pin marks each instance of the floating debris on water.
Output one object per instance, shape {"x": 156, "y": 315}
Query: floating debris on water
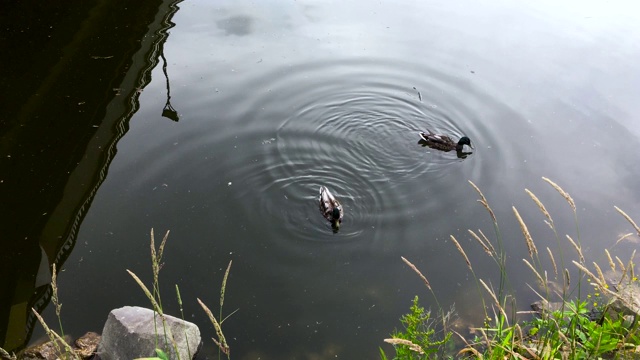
{"x": 419, "y": 95}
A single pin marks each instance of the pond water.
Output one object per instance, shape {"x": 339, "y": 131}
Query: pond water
{"x": 277, "y": 98}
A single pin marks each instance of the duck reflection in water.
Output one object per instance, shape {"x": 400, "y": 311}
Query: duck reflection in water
{"x": 330, "y": 208}
{"x": 445, "y": 143}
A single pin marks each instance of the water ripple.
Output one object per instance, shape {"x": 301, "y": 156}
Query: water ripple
{"x": 351, "y": 126}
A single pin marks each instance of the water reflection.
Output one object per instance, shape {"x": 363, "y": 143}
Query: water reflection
{"x": 239, "y": 25}
{"x": 168, "y": 111}
{"x": 31, "y": 244}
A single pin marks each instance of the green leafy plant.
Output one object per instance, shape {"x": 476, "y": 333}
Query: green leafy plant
{"x": 592, "y": 337}
{"x": 417, "y": 338}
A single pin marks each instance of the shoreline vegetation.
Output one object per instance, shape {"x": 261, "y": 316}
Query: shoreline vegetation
{"x": 568, "y": 322}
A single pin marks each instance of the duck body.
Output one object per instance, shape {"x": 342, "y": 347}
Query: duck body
{"x": 444, "y": 142}
{"x": 330, "y": 207}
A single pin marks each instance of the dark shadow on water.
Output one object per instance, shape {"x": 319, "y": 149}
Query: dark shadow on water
{"x": 68, "y": 89}
{"x": 169, "y": 112}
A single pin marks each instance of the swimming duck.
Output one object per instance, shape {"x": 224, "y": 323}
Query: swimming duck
{"x": 443, "y": 142}
{"x": 330, "y": 207}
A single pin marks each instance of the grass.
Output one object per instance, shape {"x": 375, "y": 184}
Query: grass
{"x": 595, "y": 325}
{"x": 418, "y": 339}
{"x": 66, "y": 352}
{"x": 156, "y": 301}
{"x": 62, "y": 348}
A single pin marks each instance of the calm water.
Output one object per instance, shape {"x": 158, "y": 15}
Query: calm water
{"x": 277, "y": 98}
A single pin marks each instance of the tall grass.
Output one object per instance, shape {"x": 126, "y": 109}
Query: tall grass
{"x": 156, "y": 302}
{"x": 65, "y": 351}
{"x": 62, "y": 348}
{"x": 223, "y": 346}
{"x": 155, "y": 297}
{"x": 566, "y": 332}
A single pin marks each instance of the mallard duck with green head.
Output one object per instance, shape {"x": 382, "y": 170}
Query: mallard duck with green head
{"x": 444, "y": 142}
{"x": 330, "y": 207}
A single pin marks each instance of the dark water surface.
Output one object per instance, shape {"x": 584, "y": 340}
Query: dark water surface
{"x": 277, "y": 98}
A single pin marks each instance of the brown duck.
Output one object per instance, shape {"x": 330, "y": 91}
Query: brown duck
{"x": 444, "y": 142}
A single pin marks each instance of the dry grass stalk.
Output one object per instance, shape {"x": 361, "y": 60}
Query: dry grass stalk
{"x": 635, "y": 226}
{"x": 495, "y": 300}
{"x": 519, "y": 331}
{"x": 537, "y": 274}
{"x": 612, "y": 265}
{"x": 457, "y": 244}
{"x": 623, "y": 268}
{"x": 156, "y": 256}
{"x": 484, "y": 202}
{"x": 588, "y": 272}
{"x": 153, "y": 247}
{"x": 155, "y": 262}
{"x": 222, "y": 341}
{"x": 567, "y": 279}
{"x": 533, "y": 353}
{"x": 414, "y": 268}
{"x": 469, "y": 347}
{"x": 56, "y": 339}
{"x": 478, "y": 191}
{"x": 628, "y": 269}
{"x": 164, "y": 241}
{"x": 601, "y": 285}
{"x": 541, "y": 206}
{"x": 412, "y": 346}
{"x": 224, "y": 284}
{"x": 179, "y": 297}
{"x": 578, "y": 249}
{"x": 484, "y": 246}
{"x": 564, "y": 194}
{"x": 472, "y": 350}
{"x": 630, "y": 265}
{"x": 5, "y": 355}
{"x": 54, "y": 287}
{"x": 553, "y": 262}
{"x": 146, "y": 291}
{"x": 486, "y": 241}
{"x": 599, "y": 272}
{"x": 487, "y": 342}
{"x": 623, "y": 237}
{"x": 563, "y": 337}
{"x": 527, "y": 235}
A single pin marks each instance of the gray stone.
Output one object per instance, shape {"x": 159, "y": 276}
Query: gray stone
{"x": 628, "y": 300}
{"x": 129, "y": 333}
{"x": 544, "y": 307}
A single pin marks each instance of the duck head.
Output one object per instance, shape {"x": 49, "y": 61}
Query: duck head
{"x": 336, "y": 214}
{"x": 462, "y": 142}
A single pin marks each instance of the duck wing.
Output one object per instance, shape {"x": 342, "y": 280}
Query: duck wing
{"x": 435, "y": 138}
{"x": 327, "y": 202}
{"x": 326, "y": 205}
